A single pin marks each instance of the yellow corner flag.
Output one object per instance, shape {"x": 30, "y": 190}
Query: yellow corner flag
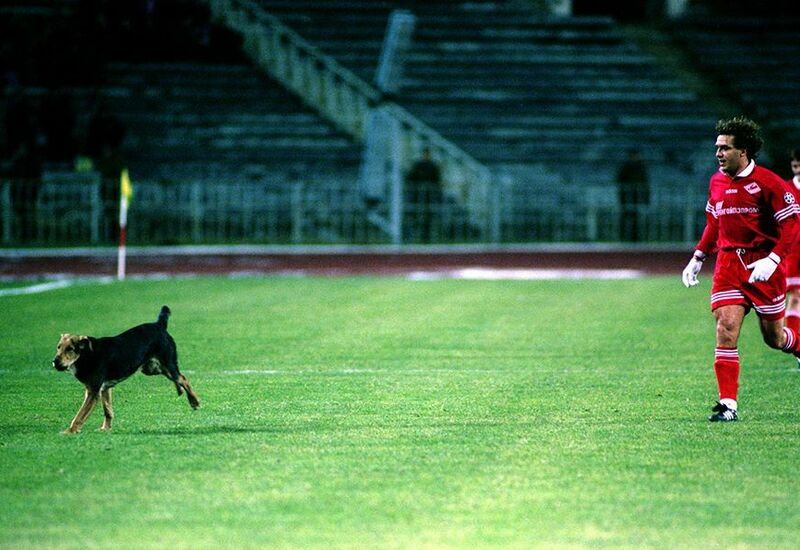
{"x": 125, "y": 185}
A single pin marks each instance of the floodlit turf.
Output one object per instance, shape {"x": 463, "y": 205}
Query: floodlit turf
{"x": 385, "y": 413}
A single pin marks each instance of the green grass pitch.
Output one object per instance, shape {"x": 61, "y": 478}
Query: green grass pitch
{"x": 386, "y": 413}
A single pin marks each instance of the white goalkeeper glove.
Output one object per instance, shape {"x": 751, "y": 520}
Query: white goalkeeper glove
{"x": 764, "y": 268}
{"x": 691, "y": 270}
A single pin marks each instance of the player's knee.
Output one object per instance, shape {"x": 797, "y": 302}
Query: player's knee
{"x": 727, "y": 334}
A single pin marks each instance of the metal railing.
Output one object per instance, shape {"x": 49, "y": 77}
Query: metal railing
{"x": 69, "y": 211}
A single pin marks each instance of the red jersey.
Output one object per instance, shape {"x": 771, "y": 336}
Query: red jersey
{"x": 794, "y": 184}
{"x": 755, "y": 210}
{"x": 792, "y": 264}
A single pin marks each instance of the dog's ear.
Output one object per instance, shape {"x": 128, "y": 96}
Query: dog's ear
{"x": 84, "y": 342}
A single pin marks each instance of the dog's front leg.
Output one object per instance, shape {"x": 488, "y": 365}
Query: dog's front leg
{"x": 108, "y": 412}
{"x": 89, "y": 401}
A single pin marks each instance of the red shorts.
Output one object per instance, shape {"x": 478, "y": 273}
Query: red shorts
{"x": 792, "y": 267}
{"x": 730, "y": 286}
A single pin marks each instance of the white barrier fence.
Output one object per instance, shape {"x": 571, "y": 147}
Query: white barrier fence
{"x": 84, "y": 211}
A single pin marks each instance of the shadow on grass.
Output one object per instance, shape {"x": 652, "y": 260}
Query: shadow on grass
{"x": 30, "y": 428}
{"x": 204, "y": 430}
{"x": 39, "y": 429}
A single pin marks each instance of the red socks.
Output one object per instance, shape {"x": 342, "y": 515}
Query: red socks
{"x": 726, "y": 366}
{"x": 726, "y": 363}
{"x": 792, "y": 341}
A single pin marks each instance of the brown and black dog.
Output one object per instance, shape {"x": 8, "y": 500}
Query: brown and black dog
{"x": 102, "y": 363}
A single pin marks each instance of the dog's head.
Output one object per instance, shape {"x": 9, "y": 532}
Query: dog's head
{"x": 69, "y": 350}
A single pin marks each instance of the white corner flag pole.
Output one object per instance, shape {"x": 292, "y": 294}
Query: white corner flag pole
{"x": 124, "y": 195}
{"x": 123, "y": 221}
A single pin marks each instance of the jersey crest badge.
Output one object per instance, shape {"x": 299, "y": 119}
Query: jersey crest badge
{"x": 752, "y": 188}
{"x": 788, "y": 198}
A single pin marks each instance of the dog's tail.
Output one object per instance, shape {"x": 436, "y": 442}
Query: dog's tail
{"x": 163, "y": 317}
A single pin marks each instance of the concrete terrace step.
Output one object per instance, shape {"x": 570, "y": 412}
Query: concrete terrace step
{"x": 185, "y": 114}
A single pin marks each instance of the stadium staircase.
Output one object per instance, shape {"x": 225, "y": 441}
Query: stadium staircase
{"x": 552, "y": 103}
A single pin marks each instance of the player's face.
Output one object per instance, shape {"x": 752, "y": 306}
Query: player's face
{"x": 796, "y": 167}
{"x": 731, "y": 160}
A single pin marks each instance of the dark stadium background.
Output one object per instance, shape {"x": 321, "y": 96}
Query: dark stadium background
{"x": 249, "y": 169}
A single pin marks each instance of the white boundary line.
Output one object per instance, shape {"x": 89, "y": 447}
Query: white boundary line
{"x": 35, "y": 289}
{"x": 486, "y": 274}
{"x": 52, "y": 285}
{"x": 472, "y": 273}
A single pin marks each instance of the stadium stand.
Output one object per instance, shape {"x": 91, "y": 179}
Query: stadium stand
{"x": 189, "y": 111}
{"x": 551, "y": 104}
{"x": 754, "y": 59}
{"x": 517, "y": 89}
{"x": 222, "y": 123}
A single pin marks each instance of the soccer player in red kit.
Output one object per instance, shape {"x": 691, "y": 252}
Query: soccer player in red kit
{"x": 793, "y": 261}
{"x": 751, "y": 223}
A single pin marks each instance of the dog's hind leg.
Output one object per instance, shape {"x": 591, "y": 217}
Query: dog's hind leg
{"x": 171, "y": 371}
{"x": 89, "y": 401}
{"x": 183, "y": 382}
{"x": 108, "y": 411}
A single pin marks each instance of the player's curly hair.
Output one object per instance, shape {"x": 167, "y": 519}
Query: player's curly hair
{"x": 794, "y": 154}
{"x": 746, "y": 134}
